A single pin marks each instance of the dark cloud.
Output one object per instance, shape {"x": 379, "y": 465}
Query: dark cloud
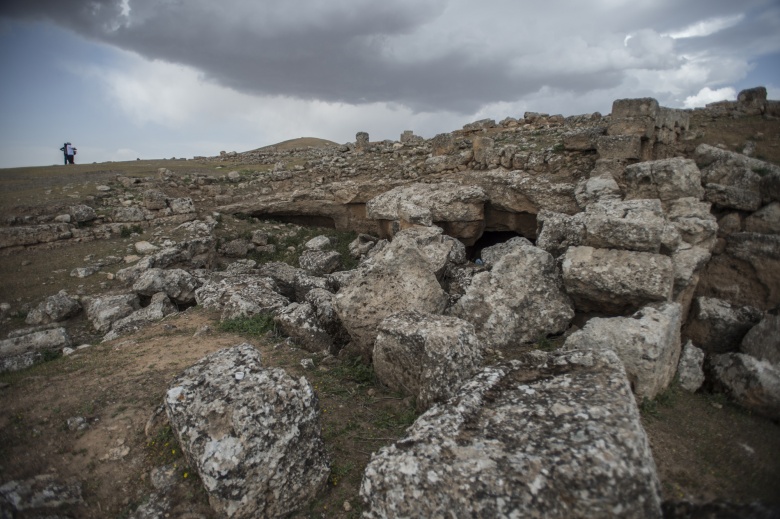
{"x": 347, "y": 50}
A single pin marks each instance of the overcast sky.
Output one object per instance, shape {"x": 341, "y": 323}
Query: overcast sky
{"x": 127, "y": 79}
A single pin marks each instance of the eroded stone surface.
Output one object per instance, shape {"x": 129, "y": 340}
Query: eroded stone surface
{"x": 753, "y": 383}
{"x": 253, "y": 434}
{"x": 556, "y": 436}
{"x": 426, "y": 356}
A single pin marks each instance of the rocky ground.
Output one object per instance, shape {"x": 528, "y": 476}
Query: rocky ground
{"x": 89, "y": 424}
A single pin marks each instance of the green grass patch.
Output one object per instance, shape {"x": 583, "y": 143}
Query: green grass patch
{"x": 254, "y": 326}
{"x": 355, "y": 370}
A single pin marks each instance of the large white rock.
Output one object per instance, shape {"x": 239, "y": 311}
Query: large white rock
{"x": 648, "y": 343}
{"x": 299, "y": 321}
{"x": 666, "y": 179}
{"x": 631, "y": 225}
{"x": 398, "y": 278}
{"x": 252, "y": 433}
{"x": 427, "y": 356}
{"x": 158, "y": 308}
{"x": 556, "y": 436}
{"x": 103, "y": 311}
{"x": 519, "y": 300}
{"x": 241, "y": 296}
{"x": 615, "y": 281}
{"x": 178, "y": 284}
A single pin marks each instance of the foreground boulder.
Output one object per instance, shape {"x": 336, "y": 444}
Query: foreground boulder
{"x": 252, "y": 433}
{"x": 557, "y": 435}
{"x": 520, "y": 300}
{"x": 241, "y": 296}
{"x": 427, "y": 356}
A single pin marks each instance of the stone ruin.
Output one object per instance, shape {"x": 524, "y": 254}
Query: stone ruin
{"x": 620, "y": 241}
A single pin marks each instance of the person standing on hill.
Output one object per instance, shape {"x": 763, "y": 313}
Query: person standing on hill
{"x": 70, "y": 151}
{"x": 64, "y": 151}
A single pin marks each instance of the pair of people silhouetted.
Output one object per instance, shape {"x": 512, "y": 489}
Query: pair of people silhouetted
{"x": 69, "y": 151}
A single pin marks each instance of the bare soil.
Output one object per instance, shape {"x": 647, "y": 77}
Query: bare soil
{"x": 705, "y": 448}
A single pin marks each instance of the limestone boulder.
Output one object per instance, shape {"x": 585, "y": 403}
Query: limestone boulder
{"x": 636, "y": 225}
{"x": 360, "y": 246}
{"x": 556, "y": 436}
{"x": 520, "y": 300}
{"x": 56, "y": 308}
{"x": 299, "y": 322}
{"x": 763, "y": 340}
{"x": 28, "y": 347}
{"x": 241, "y": 296}
{"x": 693, "y": 221}
{"x": 765, "y": 221}
{"x": 321, "y": 302}
{"x": 252, "y": 433}
{"x": 181, "y": 205}
{"x": 81, "y": 213}
{"x": 449, "y": 205}
{"x": 235, "y": 248}
{"x": 189, "y": 254}
{"x": 103, "y": 311}
{"x": 491, "y": 255}
{"x": 729, "y": 197}
{"x": 40, "y": 496}
{"x": 647, "y": 342}
{"x": 154, "y": 200}
{"x": 318, "y": 243}
{"x": 752, "y": 383}
{"x": 559, "y": 231}
{"x": 399, "y": 277}
{"x": 717, "y": 326}
{"x": 690, "y": 371}
{"x": 160, "y": 307}
{"x": 615, "y": 281}
{"x": 762, "y": 253}
{"x": 666, "y": 180}
{"x": 33, "y": 234}
{"x": 426, "y": 356}
{"x": 130, "y": 214}
{"x": 178, "y": 284}
{"x": 320, "y": 262}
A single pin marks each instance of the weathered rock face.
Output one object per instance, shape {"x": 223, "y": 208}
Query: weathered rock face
{"x": 104, "y": 311}
{"x": 745, "y": 177}
{"x": 519, "y": 300}
{"x": 159, "y": 307}
{"x": 690, "y": 371}
{"x": 252, "y": 433}
{"x": 648, "y": 344}
{"x": 556, "y": 437}
{"x": 320, "y": 262}
{"x": 25, "y": 349}
{"x": 615, "y": 281}
{"x": 753, "y": 383}
{"x": 666, "y": 179}
{"x": 426, "y": 356}
{"x": 451, "y": 206}
{"x": 196, "y": 253}
{"x": 241, "y": 296}
{"x": 178, "y": 284}
{"x": 299, "y": 322}
{"x": 30, "y": 235}
{"x": 716, "y": 326}
{"x": 397, "y": 278}
{"x": 58, "y": 307}
{"x": 321, "y": 302}
{"x": 763, "y": 340}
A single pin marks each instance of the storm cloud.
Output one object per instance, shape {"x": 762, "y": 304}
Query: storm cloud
{"x": 428, "y": 56}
